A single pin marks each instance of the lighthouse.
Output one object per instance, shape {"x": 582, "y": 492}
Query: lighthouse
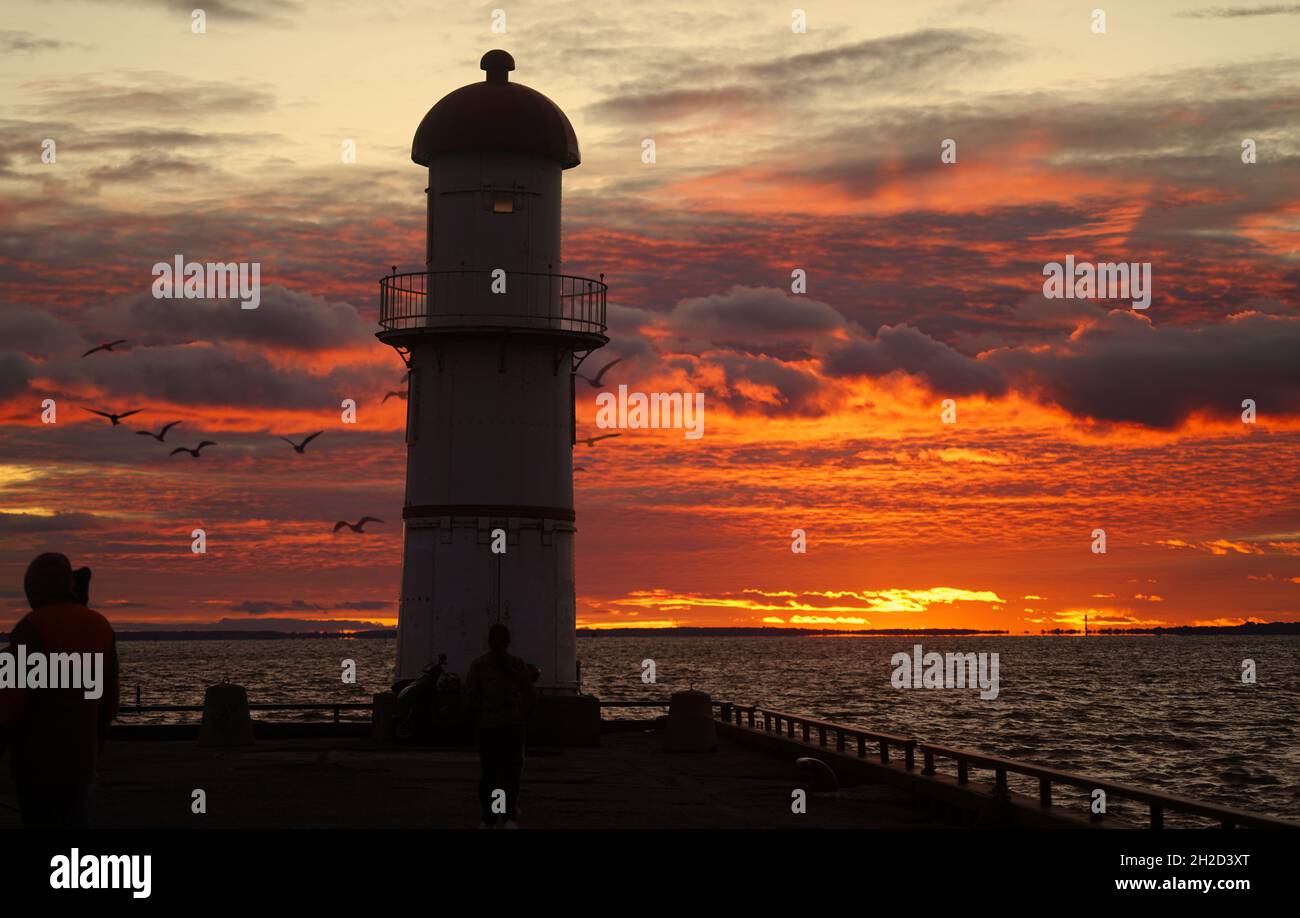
{"x": 491, "y": 332}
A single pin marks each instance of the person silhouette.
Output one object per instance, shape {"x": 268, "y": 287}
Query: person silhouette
{"x": 498, "y": 696}
{"x": 57, "y": 734}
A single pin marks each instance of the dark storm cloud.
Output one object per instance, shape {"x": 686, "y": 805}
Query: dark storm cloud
{"x": 626, "y": 321}
{"x": 1123, "y": 369}
{"x": 780, "y": 328}
{"x": 201, "y": 375}
{"x": 1111, "y": 366}
{"x": 286, "y": 319}
{"x": 38, "y": 334}
{"x": 15, "y": 371}
{"x": 1117, "y": 368}
{"x": 785, "y": 390}
{"x": 901, "y": 347}
{"x": 752, "y": 312}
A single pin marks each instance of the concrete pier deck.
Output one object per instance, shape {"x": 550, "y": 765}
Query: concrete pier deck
{"x": 626, "y": 782}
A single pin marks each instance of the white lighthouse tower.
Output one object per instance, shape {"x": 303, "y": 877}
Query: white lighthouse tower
{"x": 491, "y": 332}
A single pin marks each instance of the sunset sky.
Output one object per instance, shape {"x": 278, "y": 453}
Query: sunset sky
{"x": 775, "y": 151}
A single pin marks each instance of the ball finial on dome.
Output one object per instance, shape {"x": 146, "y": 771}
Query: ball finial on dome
{"x": 498, "y": 64}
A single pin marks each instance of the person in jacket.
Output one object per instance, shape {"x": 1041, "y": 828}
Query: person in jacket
{"x": 55, "y": 734}
{"x": 499, "y": 696}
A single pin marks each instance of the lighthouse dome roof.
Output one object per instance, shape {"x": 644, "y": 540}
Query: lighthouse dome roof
{"x": 496, "y": 116}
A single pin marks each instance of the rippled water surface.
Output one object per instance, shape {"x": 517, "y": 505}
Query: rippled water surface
{"x": 1162, "y": 712}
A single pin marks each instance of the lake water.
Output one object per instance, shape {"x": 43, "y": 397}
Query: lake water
{"x": 1164, "y": 712}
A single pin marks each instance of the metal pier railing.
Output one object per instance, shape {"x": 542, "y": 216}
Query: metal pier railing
{"x": 800, "y": 730}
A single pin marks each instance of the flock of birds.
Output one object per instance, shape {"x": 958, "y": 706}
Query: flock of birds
{"x": 116, "y": 418}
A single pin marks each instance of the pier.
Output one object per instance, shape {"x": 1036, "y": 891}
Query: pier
{"x": 335, "y": 773}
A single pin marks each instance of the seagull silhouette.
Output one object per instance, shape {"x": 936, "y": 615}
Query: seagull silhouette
{"x": 401, "y": 395}
{"x": 300, "y": 447}
{"x": 107, "y": 346}
{"x": 591, "y": 441}
{"x": 358, "y": 525}
{"x": 596, "y": 382}
{"x": 193, "y": 452}
{"x": 115, "y": 418}
{"x": 160, "y": 435}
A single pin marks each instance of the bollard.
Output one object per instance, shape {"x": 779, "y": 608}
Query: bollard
{"x": 690, "y": 723}
{"x": 226, "y": 720}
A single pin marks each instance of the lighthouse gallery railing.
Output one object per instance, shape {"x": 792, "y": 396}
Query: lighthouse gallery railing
{"x": 464, "y": 298}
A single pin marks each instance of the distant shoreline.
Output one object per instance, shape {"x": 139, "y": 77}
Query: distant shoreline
{"x": 1252, "y": 629}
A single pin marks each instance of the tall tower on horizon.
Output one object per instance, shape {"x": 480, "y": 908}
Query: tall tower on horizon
{"x": 491, "y": 333}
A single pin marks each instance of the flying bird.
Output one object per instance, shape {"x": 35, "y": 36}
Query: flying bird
{"x": 107, "y": 346}
{"x": 115, "y": 418}
{"x": 401, "y": 395}
{"x": 300, "y": 447}
{"x": 359, "y": 525}
{"x": 591, "y": 441}
{"x": 596, "y": 382}
{"x": 193, "y": 452}
{"x": 160, "y": 435}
